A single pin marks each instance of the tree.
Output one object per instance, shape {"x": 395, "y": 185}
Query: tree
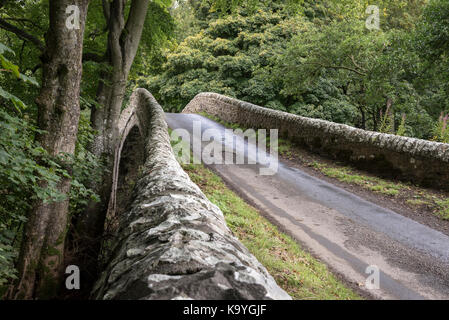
{"x": 335, "y": 68}
{"x": 233, "y": 55}
{"x": 42, "y": 249}
{"x": 340, "y": 55}
{"x": 430, "y": 43}
{"x": 125, "y": 22}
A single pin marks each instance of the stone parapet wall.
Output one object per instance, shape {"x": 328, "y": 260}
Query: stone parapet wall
{"x": 420, "y": 161}
{"x": 173, "y": 243}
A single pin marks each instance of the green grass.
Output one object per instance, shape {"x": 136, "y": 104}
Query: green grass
{"x": 296, "y": 271}
{"x": 375, "y": 184}
{"x": 443, "y": 211}
{"x": 415, "y": 197}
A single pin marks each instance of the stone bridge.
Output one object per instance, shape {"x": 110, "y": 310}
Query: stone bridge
{"x": 173, "y": 242}
{"x": 420, "y": 161}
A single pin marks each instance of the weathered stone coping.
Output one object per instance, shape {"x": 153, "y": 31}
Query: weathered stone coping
{"x": 173, "y": 243}
{"x": 421, "y": 161}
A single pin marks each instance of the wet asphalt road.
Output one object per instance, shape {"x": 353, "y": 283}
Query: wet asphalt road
{"x": 344, "y": 231}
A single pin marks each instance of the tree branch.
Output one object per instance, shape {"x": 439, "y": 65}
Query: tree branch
{"x": 22, "y": 34}
{"x": 106, "y": 11}
{"x": 116, "y": 25}
{"x": 355, "y": 63}
{"x": 23, "y": 21}
{"x": 133, "y": 30}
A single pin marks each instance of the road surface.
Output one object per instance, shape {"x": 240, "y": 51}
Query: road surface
{"x": 344, "y": 231}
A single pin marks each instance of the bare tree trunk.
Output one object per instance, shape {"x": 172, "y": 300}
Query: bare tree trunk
{"x": 123, "y": 42}
{"x": 42, "y": 251}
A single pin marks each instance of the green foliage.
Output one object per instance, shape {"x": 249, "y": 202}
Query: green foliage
{"x": 158, "y": 32}
{"x": 402, "y": 128}
{"x": 22, "y": 179}
{"x": 434, "y": 28}
{"x": 12, "y": 69}
{"x": 29, "y": 174}
{"x": 394, "y": 14}
{"x": 32, "y": 18}
{"x": 441, "y": 130}
{"x": 387, "y": 122}
{"x": 430, "y": 43}
{"x": 366, "y": 70}
{"x": 86, "y": 168}
{"x": 234, "y": 55}
{"x": 322, "y": 63}
{"x": 221, "y": 8}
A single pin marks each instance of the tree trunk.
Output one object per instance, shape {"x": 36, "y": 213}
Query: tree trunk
{"x": 123, "y": 42}
{"x": 375, "y": 113}
{"x": 41, "y": 258}
{"x": 363, "y": 118}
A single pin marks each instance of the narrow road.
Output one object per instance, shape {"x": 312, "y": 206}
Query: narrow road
{"x": 343, "y": 230}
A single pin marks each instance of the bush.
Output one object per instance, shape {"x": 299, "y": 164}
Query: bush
{"x": 27, "y": 174}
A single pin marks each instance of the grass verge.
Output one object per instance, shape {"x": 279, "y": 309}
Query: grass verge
{"x": 296, "y": 271}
